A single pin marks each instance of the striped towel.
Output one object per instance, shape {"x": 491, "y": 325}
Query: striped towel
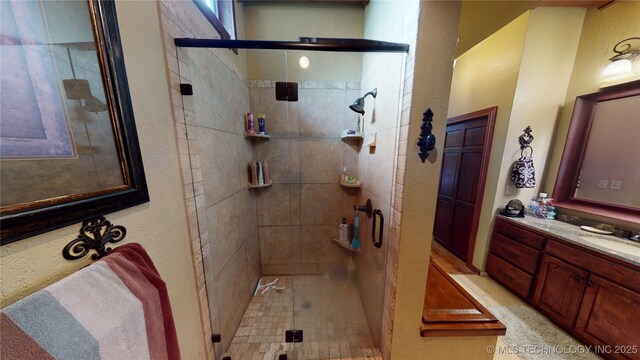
{"x": 117, "y": 308}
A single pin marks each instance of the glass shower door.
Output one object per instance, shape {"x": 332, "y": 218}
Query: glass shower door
{"x": 338, "y": 286}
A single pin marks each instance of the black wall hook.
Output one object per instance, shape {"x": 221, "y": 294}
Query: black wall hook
{"x": 94, "y": 234}
{"x": 426, "y": 141}
{"x": 526, "y": 138}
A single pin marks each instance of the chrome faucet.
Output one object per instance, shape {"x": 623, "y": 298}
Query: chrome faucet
{"x": 631, "y": 236}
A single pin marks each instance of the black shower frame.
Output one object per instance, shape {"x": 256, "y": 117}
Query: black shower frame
{"x": 305, "y": 44}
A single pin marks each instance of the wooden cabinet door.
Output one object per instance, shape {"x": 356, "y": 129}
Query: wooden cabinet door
{"x": 610, "y": 315}
{"x": 559, "y": 289}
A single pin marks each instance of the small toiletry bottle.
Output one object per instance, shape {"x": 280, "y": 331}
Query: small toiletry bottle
{"x": 344, "y": 176}
{"x": 260, "y": 174}
{"x": 542, "y": 206}
{"x": 533, "y": 205}
{"x": 254, "y": 173}
{"x": 551, "y": 212}
{"x": 265, "y": 172}
{"x": 358, "y": 127}
{"x": 261, "y": 123}
{"x": 344, "y": 230}
{"x": 250, "y": 128}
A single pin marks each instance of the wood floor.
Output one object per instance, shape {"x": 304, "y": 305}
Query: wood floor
{"x": 449, "y": 310}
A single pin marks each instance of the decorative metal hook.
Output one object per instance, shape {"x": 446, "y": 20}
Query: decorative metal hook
{"x": 622, "y": 49}
{"x": 94, "y": 234}
{"x": 526, "y": 138}
{"x": 426, "y": 141}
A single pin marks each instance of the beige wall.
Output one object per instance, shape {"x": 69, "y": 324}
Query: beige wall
{"x": 486, "y": 76}
{"x": 531, "y": 56}
{"x": 289, "y": 21}
{"x": 417, "y": 188}
{"x": 217, "y": 201}
{"x": 602, "y": 29}
{"x": 481, "y": 19}
{"x": 160, "y": 225}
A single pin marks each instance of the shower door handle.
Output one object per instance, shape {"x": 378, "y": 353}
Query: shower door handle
{"x": 378, "y": 243}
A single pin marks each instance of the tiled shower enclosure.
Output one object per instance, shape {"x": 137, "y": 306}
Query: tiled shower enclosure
{"x": 335, "y": 295}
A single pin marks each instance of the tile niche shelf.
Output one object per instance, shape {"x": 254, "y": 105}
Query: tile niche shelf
{"x": 344, "y": 244}
{"x": 355, "y": 185}
{"x": 265, "y": 136}
{"x": 251, "y": 186}
{"x": 352, "y": 137}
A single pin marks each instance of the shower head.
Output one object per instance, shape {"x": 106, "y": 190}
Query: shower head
{"x": 358, "y": 105}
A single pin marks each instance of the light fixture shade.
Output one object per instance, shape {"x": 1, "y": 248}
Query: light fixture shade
{"x": 617, "y": 69}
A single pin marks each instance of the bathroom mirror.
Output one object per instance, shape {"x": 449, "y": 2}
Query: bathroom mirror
{"x": 68, "y": 144}
{"x": 600, "y": 169}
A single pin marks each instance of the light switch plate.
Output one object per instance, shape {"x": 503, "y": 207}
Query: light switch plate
{"x": 510, "y": 189}
{"x": 603, "y": 184}
{"x": 616, "y": 184}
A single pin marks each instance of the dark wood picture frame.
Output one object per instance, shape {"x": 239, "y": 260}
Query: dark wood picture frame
{"x": 19, "y": 222}
{"x": 574, "y": 149}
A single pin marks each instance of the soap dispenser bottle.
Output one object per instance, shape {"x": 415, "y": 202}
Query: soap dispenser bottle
{"x": 355, "y": 243}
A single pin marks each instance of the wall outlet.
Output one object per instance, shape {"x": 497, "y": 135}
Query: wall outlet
{"x": 616, "y": 184}
{"x": 603, "y": 184}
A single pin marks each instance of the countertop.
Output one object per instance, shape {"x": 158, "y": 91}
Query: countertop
{"x": 619, "y": 248}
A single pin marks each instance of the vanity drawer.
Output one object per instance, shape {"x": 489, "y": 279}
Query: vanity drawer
{"x": 625, "y": 275}
{"x": 508, "y": 275}
{"x": 517, "y": 254}
{"x": 519, "y": 234}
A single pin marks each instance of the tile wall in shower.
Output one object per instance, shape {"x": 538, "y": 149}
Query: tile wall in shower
{"x": 305, "y": 155}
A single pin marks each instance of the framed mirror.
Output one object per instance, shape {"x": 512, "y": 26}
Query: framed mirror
{"x": 600, "y": 168}
{"x": 68, "y": 143}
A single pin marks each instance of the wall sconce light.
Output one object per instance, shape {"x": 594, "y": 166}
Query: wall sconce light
{"x": 621, "y": 64}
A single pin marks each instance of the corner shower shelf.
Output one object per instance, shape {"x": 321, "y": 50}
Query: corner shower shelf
{"x": 357, "y": 137}
{"x": 266, "y": 136}
{"x": 356, "y": 185}
{"x": 251, "y": 186}
{"x": 344, "y": 244}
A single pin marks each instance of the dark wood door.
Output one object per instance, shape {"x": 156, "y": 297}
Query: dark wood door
{"x": 609, "y": 315}
{"x": 465, "y": 158}
{"x": 559, "y": 289}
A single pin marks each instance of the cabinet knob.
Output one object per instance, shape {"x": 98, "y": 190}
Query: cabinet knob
{"x": 589, "y": 283}
{"x": 576, "y": 277}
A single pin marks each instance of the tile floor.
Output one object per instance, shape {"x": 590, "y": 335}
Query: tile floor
{"x": 530, "y": 335}
{"x": 327, "y": 307}
{"x": 329, "y": 310}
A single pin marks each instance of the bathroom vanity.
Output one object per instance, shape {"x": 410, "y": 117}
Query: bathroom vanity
{"x": 588, "y": 284}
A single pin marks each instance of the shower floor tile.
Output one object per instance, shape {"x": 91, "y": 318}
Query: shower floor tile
{"x": 327, "y": 309}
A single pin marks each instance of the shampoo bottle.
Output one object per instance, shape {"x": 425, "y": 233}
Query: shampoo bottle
{"x": 265, "y": 172}
{"x": 254, "y": 173}
{"x": 250, "y": 127}
{"x": 260, "y": 174}
{"x": 344, "y": 230}
{"x": 262, "y": 120}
